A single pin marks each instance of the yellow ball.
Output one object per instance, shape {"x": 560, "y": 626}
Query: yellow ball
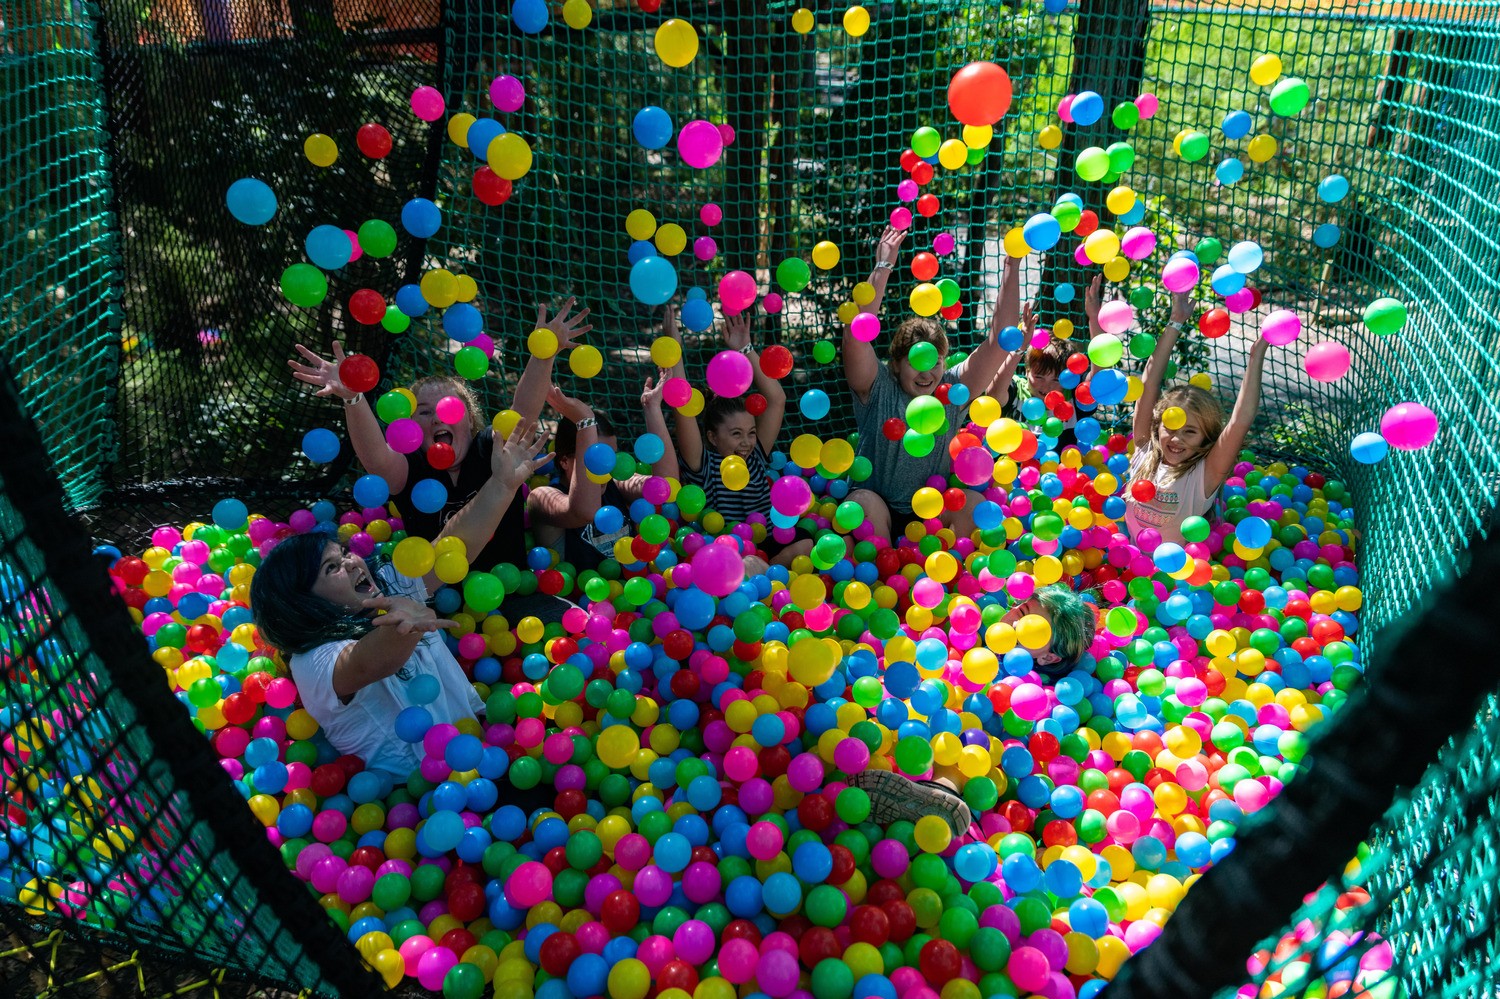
{"x": 1173, "y": 418}
{"x": 925, "y": 299}
{"x": 665, "y": 352}
{"x": 458, "y": 129}
{"x": 616, "y": 747}
{"x": 640, "y": 224}
{"x": 542, "y": 343}
{"x": 805, "y": 451}
{"x": 863, "y": 293}
{"x": 1050, "y": 137}
{"x": 1033, "y": 631}
{"x": 927, "y": 503}
{"x": 977, "y": 136}
{"x": 811, "y": 661}
{"x": 802, "y": 21}
{"x": 837, "y": 456}
{"x": 933, "y": 834}
{"x": 676, "y": 42}
{"x": 509, "y": 156}
{"x": 734, "y": 472}
{"x": 953, "y": 154}
{"x": 1117, "y": 270}
{"x": 1121, "y": 200}
{"x": 413, "y": 557}
{"x": 846, "y": 312}
{"x": 694, "y": 404}
{"x": 586, "y": 361}
{"x": 1063, "y": 328}
{"x": 1101, "y": 246}
{"x": 504, "y": 423}
{"x": 1261, "y": 148}
{"x": 825, "y": 255}
{"x": 465, "y": 289}
{"x": 808, "y": 591}
{"x": 856, "y": 21}
{"x": 984, "y": 410}
{"x": 1201, "y": 379}
{"x": 1015, "y": 244}
{"x": 1265, "y": 70}
{"x": 439, "y": 288}
{"x": 578, "y": 14}
{"x": 451, "y": 568}
{"x": 670, "y": 239}
{"x": 320, "y": 150}
{"x": 1004, "y": 435}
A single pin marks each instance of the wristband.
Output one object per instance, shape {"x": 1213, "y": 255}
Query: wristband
{"x": 1174, "y": 325}
{"x": 884, "y": 265}
{"x": 585, "y": 424}
{"x": 351, "y": 403}
{"x": 746, "y": 349}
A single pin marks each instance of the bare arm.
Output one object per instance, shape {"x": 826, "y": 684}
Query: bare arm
{"x": 983, "y": 366}
{"x": 767, "y": 424}
{"x": 1156, "y": 368}
{"x": 386, "y": 649}
{"x": 689, "y": 437}
{"x": 536, "y": 379}
{"x": 1003, "y": 383}
{"x": 365, "y": 434}
{"x": 510, "y": 466}
{"x": 666, "y": 465}
{"x": 860, "y": 363}
{"x": 1227, "y": 450}
{"x": 576, "y": 507}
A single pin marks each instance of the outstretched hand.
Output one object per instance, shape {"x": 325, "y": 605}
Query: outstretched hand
{"x": 652, "y": 390}
{"x": 889, "y": 247}
{"x": 568, "y": 407}
{"x": 1093, "y": 298}
{"x": 322, "y": 372}
{"x": 567, "y": 328}
{"x": 1182, "y": 307}
{"x": 737, "y": 330}
{"x": 522, "y": 454}
{"x": 406, "y": 616}
{"x": 1028, "y": 321}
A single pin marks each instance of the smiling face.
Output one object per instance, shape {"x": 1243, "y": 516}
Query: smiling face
{"x": 458, "y": 436}
{"x": 914, "y": 382}
{"x": 1041, "y": 384}
{"x": 735, "y": 434}
{"x": 1181, "y": 444}
{"x": 344, "y": 579}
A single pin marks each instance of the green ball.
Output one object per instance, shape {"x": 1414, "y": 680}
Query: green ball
{"x": 824, "y": 352}
{"x": 525, "y": 774}
{"x": 1142, "y": 345}
{"x": 463, "y": 981}
{"x": 1125, "y": 115}
{"x": 1091, "y": 164}
{"x": 950, "y": 292}
{"x": 925, "y": 415}
{"x": 1290, "y": 96}
{"x": 925, "y": 141}
{"x": 377, "y": 238}
{"x": 793, "y": 274}
{"x": 392, "y": 406}
{"x": 958, "y": 926}
{"x": 471, "y": 363}
{"x": 394, "y": 320}
{"x": 1208, "y": 250}
{"x": 1067, "y": 214}
{"x": 1121, "y": 158}
{"x": 989, "y": 949}
{"x": 981, "y": 794}
{"x": 918, "y": 445}
{"x": 852, "y": 805}
{"x": 304, "y": 285}
{"x": 913, "y": 755}
{"x": 1385, "y": 316}
{"x": 427, "y": 882}
{"x": 825, "y": 906}
{"x": 923, "y": 357}
{"x": 483, "y": 592}
{"x": 1195, "y": 529}
{"x": 1033, "y": 913}
{"x": 1106, "y": 350}
{"x": 1194, "y": 147}
{"x": 391, "y": 891}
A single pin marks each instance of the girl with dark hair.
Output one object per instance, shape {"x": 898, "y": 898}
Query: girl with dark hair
{"x": 356, "y": 634}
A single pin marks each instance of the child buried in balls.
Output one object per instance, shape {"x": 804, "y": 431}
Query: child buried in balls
{"x": 361, "y": 640}
{"x": 729, "y": 457}
{"x": 908, "y": 409}
{"x": 1184, "y": 449}
{"x": 434, "y": 454}
{"x": 583, "y": 514}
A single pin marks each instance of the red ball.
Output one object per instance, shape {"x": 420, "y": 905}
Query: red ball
{"x": 649, "y": 6}
{"x": 922, "y": 172}
{"x": 678, "y": 644}
{"x": 776, "y": 361}
{"x": 466, "y": 902}
{"x": 458, "y": 940}
{"x": 1083, "y": 394}
{"x": 894, "y": 428}
{"x": 979, "y": 94}
{"x": 928, "y": 205}
{"x": 815, "y": 812}
{"x": 571, "y": 802}
{"x": 1214, "y": 323}
{"x": 677, "y": 974}
{"x": 327, "y": 780}
{"x": 373, "y": 140}
{"x": 1143, "y": 491}
{"x": 818, "y": 944}
{"x": 939, "y": 961}
{"x": 903, "y": 921}
{"x": 941, "y": 393}
{"x": 620, "y": 911}
{"x": 238, "y": 708}
{"x": 954, "y": 498}
{"x": 358, "y": 372}
{"x": 367, "y": 856}
{"x": 558, "y": 952}
{"x": 909, "y": 160}
{"x": 740, "y": 929}
{"x": 1078, "y": 363}
{"x": 131, "y": 570}
{"x": 1087, "y": 223}
{"x": 684, "y": 685}
{"x": 843, "y": 864}
{"x": 756, "y": 404}
{"x": 870, "y": 924}
{"x": 490, "y": 187}
{"x": 441, "y": 456}
{"x": 367, "y": 306}
{"x": 924, "y": 266}
{"x": 953, "y": 311}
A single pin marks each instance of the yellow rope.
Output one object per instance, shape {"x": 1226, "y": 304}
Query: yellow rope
{"x": 49, "y": 947}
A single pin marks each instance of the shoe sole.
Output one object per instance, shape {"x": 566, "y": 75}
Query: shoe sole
{"x": 894, "y": 798}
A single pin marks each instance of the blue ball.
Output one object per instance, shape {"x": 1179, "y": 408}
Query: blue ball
{"x": 412, "y": 723}
{"x": 608, "y": 519}
{"x": 1236, "y": 124}
{"x": 1326, "y": 235}
{"x": 653, "y": 280}
{"x": 1087, "y": 108}
{"x": 320, "y": 445}
{"x": 230, "y": 514}
{"x": 371, "y": 490}
{"x": 1021, "y": 872}
{"x": 672, "y": 852}
{"x": 462, "y": 322}
{"x": 743, "y": 897}
{"x": 1246, "y": 257}
{"x": 1333, "y": 188}
{"x": 649, "y": 448}
{"x": 531, "y": 17}
{"x": 442, "y": 831}
{"x": 599, "y": 458}
{"x": 424, "y": 689}
{"x": 1226, "y": 280}
{"x": 410, "y": 301}
{"x": 1109, "y": 387}
{"x": 697, "y": 295}
{"x": 481, "y": 133}
{"x": 814, "y": 404}
{"x": 328, "y": 247}
{"x": 695, "y": 609}
{"x": 697, "y": 314}
{"x": 1012, "y": 337}
{"x": 429, "y": 495}
{"x": 251, "y": 201}
{"x": 781, "y": 894}
{"x": 1229, "y": 172}
{"x": 1253, "y": 532}
{"x": 421, "y": 217}
{"x": 1369, "y": 448}
{"x": 1055, "y": 6}
{"x": 640, "y": 250}
{"x": 1089, "y": 917}
{"x": 1041, "y": 232}
{"x": 1064, "y": 293}
{"x": 1136, "y": 213}
{"x": 652, "y": 127}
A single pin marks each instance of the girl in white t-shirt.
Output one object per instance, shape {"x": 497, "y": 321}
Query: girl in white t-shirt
{"x": 1184, "y": 449}
{"x": 356, "y": 636}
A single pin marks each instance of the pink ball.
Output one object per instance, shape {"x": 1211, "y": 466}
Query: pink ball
{"x": 1116, "y": 317}
{"x": 1180, "y": 274}
{"x": 700, "y": 143}
{"x": 927, "y": 593}
{"x": 772, "y": 303}
{"x": 1065, "y": 108}
{"x": 718, "y": 570}
{"x": 325, "y": 873}
{"x": 805, "y": 773}
{"x": 943, "y": 244}
{"x": 1147, "y": 104}
{"x": 1240, "y": 301}
{"x": 1020, "y": 586}
{"x": 1327, "y": 361}
{"x": 281, "y": 693}
{"x": 741, "y": 764}
{"x": 851, "y": 756}
{"x": 907, "y": 190}
{"x": 865, "y": 327}
{"x": 427, "y": 103}
{"x": 726, "y": 132}
{"x": 1281, "y": 328}
{"x": 777, "y": 973}
{"x": 1029, "y": 701}
{"x": 737, "y": 961}
{"x": 433, "y": 965}
{"x": 507, "y": 93}
{"x": 404, "y": 436}
{"x": 704, "y": 248}
{"x": 653, "y": 886}
{"x": 329, "y": 825}
{"x": 694, "y": 941}
{"x": 711, "y": 214}
{"x": 729, "y": 373}
{"x": 1138, "y": 243}
{"x": 675, "y": 393}
{"x": 1028, "y": 968}
{"x": 357, "y": 251}
{"x": 791, "y": 495}
{"x": 530, "y": 884}
{"x": 451, "y": 410}
{"x": 412, "y": 950}
{"x": 1408, "y": 426}
{"x": 737, "y": 291}
{"x": 901, "y": 218}
{"x": 1080, "y": 257}
{"x": 974, "y": 466}
{"x": 764, "y": 840}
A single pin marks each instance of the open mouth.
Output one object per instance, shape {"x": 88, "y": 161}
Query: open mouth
{"x": 365, "y": 586}
{"x": 442, "y": 437}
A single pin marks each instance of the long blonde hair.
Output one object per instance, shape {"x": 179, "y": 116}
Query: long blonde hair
{"x": 1195, "y": 402}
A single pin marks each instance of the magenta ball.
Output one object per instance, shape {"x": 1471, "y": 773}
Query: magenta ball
{"x": 704, "y": 248}
{"x": 718, "y": 570}
{"x": 791, "y": 495}
{"x": 943, "y": 244}
{"x": 1281, "y": 328}
{"x": 1408, "y": 426}
{"x": 711, "y": 214}
{"x": 694, "y": 941}
{"x": 865, "y": 327}
{"x": 1180, "y": 274}
{"x": 404, "y": 436}
{"x": 729, "y": 373}
{"x": 530, "y": 884}
{"x": 777, "y": 973}
{"x": 772, "y": 303}
{"x": 1327, "y": 361}
{"x": 507, "y": 93}
{"x": 737, "y": 291}
{"x": 427, "y": 103}
{"x": 1029, "y": 968}
{"x": 901, "y": 218}
{"x": 700, "y": 143}
{"x": 433, "y": 965}
{"x": 737, "y": 961}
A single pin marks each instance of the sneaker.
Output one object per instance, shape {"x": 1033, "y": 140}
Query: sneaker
{"x": 894, "y": 798}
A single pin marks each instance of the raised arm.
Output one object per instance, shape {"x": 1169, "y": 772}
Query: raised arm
{"x": 1003, "y": 384}
{"x": 1156, "y": 368}
{"x": 511, "y": 465}
{"x": 576, "y": 507}
{"x": 385, "y": 649}
{"x": 982, "y": 367}
{"x": 364, "y": 426}
{"x": 536, "y": 379}
{"x": 1227, "y": 450}
{"x": 861, "y": 365}
{"x": 666, "y": 466}
{"x": 689, "y": 437}
{"x": 767, "y": 424}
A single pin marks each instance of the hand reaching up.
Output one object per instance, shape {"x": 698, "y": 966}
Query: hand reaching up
{"x": 322, "y": 372}
{"x": 568, "y": 407}
{"x": 889, "y": 246}
{"x": 651, "y": 391}
{"x": 737, "y": 330}
{"x": 522, "y": 454}
{"x": 567, "y": 328}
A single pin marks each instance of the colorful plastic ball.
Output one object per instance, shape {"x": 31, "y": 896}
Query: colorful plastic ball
{"x": 1327, "y": 361}
{"x": 1333, "y": 189}
{"x": 1229, "y": 172}
{"x": 1281, "y": 328}
{"x": 530, "y": 16}
{"x": 814, "y": 404}
{"x": 1369, "y": 448}
{"x": 700, "y": 144}
{"x": 653, "y": 280}
{"x": 507, "y": 93}
{"x": 421, "y": 218}
{"x": 729, "y": 373}
{"x": 328, "y": 247}
{"x": 857, "y": 21}
{"x": 1087, "y": 108}
{"x": 427, "y": 103}
{"x": 737, "y": 291}
{"x": 1265, "y": 70}
{"x": 1385, "y": 316}
{"x": 979, "y": 94}
{"x": 1326, "y": 235}
{"x": 652, "y": 127}
{"x": 676, "y": 42}
{"x": 1180, "y": 273}
{"x": 374, "y": 140}
{"x": 1290, "y": 96}
{"x": 320, "y": 445}
{"x": 509, "y": 156}
{"x": 1408, "y": 426}
{"x": 251, "y": 201}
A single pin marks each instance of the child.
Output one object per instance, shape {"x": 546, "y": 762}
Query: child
{"x": 883, "y": 391}
{"x": 471, "y": 441}
{"x": 316, "y": 602}
{"x": 730, "y": 429}
{"x": 1176, "y": 472}
{"x": 563, "y": 513}
{"x": 1073, "y": 623}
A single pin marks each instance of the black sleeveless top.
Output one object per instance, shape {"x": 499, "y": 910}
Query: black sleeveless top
{"x": 509, "y": 541}
{"x": 587, "y": 547}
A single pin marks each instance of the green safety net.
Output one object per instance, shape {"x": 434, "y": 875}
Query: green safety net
{"x": 148, "y": 337}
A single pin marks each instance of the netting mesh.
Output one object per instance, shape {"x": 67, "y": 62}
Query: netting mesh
{"x": 148, "y": 334}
